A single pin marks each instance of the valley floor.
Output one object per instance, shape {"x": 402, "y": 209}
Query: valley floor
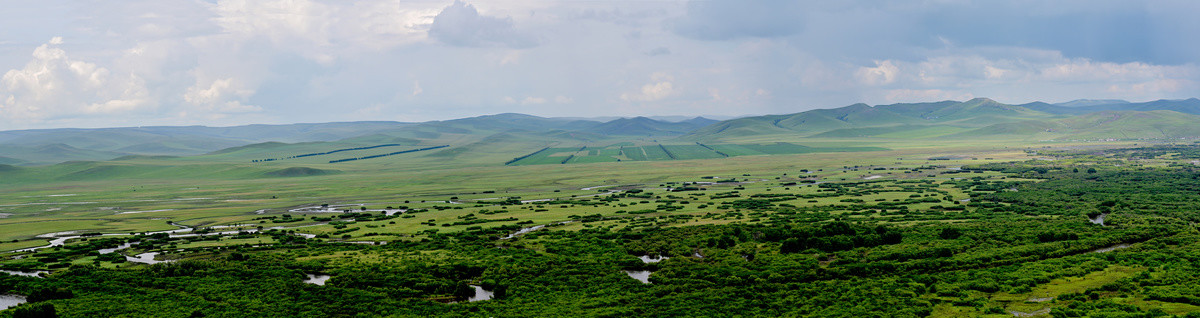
{"x": 1069, "y": 230}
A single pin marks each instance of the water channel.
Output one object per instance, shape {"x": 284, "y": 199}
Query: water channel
{"x": 26, "y": 274}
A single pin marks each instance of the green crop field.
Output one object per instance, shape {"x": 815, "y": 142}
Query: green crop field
{"x": 634, "y": 153}
{"x": 659, "y": 152}
{"x": 655, "y": 152}
{"x": 692, "y": 152}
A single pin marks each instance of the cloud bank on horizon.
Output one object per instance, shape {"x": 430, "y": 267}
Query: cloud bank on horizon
{"x": 226, "y": 62}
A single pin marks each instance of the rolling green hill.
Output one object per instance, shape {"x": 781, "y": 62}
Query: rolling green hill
{"x": 51, "y": 153}
{"x": 642, "y": 126}
{"x": 749, "y": 126}
{"x": 976, "y": 118}
{"x": 860, "y": 120}
{"x": 1086, "y": 106}
{"x": 1119, "y": 125}
{"x": 495, "y": 139}
{"x": 10, "y": 161}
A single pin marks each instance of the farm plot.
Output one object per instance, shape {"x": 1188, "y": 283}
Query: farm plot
{"x": 634, "y": 153}
{"x": 781, "y": 148}
{"x": 655, "y": 153}
{"x": 598, "y": 155}
{"x": 547, "y": 156}
{"x": 659, "y": 152}
{"x": 684, "y": 152}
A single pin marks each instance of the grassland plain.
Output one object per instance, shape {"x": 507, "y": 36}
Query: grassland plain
{"x": 422, "y": 198}
{"x": 198, "y": 192}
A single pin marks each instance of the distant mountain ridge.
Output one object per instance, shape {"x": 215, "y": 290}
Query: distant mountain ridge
{"x": 1091, "y": 102}
{"x": 43, "y": 146}
{"x": 976, "y": 118}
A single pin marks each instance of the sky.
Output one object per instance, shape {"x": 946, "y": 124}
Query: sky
{"x": 234, "y": 62}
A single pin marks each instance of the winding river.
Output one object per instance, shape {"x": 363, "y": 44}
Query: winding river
{"x": 1111, "y": 248}
{"x": 146, "y": 258}
{"x": 26, "y": 274}
{"x": 530, "y": 229}
{"x": 58, "y": 238}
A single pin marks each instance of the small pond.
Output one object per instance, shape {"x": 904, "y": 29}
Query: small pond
{"x": 10, "y": 301}
{"x": 652, "y": 259}
{"x": 316, "y": 279}
{"x": 480, "y": 294}
{"x": 641, "y": 276}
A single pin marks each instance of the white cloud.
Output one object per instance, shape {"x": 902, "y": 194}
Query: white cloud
{"x": 1153, "y": 87}
{"x": 715, "y": 94}
{"x": 460, "y": 24}
{"x": 533, "y": 100}
{"x": 323, "y": 30}
{"x": 924, "y": 95}
{"x": 993, "y": 72}
{"x": 146, "y": 61}
{"x": 651, "y": 92}
{"x": 884, "y": 72}
{"x": 385, "y": 24}
{"x": 279, "y": 20}
{"x": 1026, "y": 75}
{"x": 53, "y": 85}
{"x": 1076, "y": 69}
{"x": 511, "y": 58}
{"x": 220, "y": 96}
{"x": 660, "y": 87}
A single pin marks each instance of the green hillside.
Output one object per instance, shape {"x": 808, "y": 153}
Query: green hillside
{"x": 642, "y": 126}
{"x": 496, "y": 139}
{"x": 52, "y": 153}
{"x": 977, "y": 118}
{"x": 1123, "y": 125}
{"x": 10, "y": 161}
{"x": 741, "y": 127}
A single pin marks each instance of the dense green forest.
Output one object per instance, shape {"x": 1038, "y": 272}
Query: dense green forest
{"x": 1024, "y": 243}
